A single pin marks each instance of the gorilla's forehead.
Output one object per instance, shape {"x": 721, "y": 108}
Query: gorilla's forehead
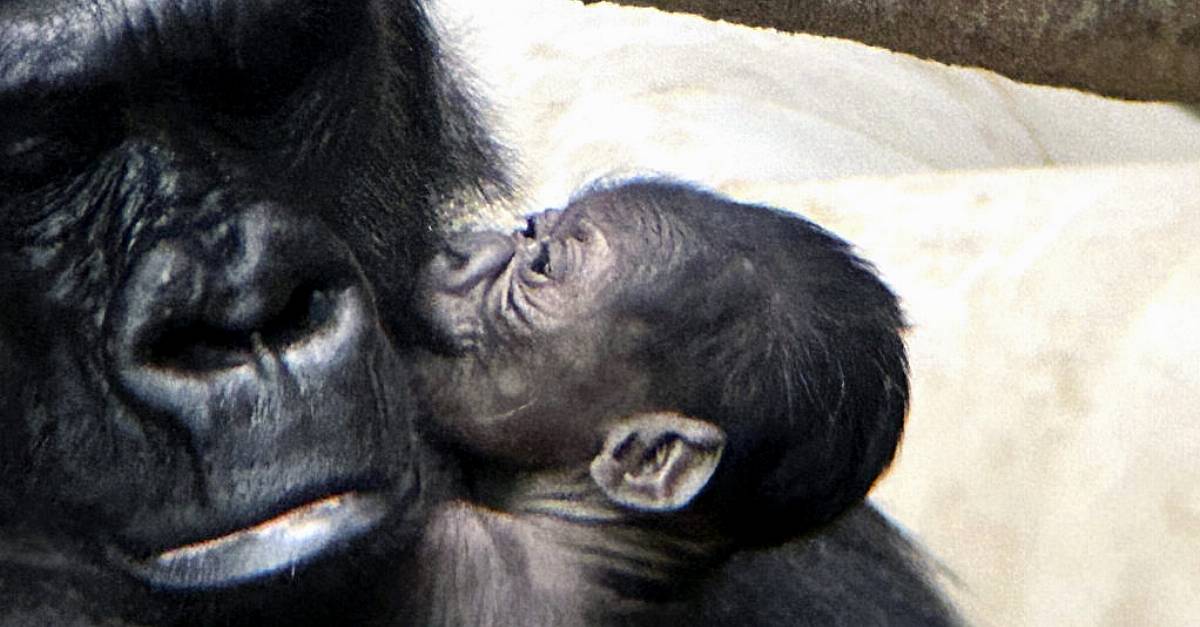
{"x": 636, "y": 226}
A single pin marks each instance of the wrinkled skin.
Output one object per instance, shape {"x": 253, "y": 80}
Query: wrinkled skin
{"x": 657, "y": 386}
{"x": 205, "y": 209}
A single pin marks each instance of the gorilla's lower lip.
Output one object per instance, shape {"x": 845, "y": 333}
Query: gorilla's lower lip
{"x": 283, "y": 542}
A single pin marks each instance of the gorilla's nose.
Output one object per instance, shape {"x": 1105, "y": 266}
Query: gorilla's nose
{"x": 540, "y": 224}
{"x": 468, "y": 258}
{"x": 252, "y": 297}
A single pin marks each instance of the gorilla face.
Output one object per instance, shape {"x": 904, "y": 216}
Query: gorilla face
{"x": 544, "y": 329}
{"x": 541, "y": 346}
{"x": 204, "y": 206}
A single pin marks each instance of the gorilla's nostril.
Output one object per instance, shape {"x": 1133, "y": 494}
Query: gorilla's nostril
{"x": 199, "y": 346}
{"x": 305, "y": 313}
{"x": 540, "y": 224}
{"x": 530, "y": 231}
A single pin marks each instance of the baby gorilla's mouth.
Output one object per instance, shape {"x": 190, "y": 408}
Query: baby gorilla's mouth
{"x": 285, "y": 541}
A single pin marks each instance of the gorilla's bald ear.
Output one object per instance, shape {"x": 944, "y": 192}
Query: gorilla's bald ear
{"x": 658, "y": 462}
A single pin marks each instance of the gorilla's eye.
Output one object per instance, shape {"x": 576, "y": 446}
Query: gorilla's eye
{"x": 38, "y": 147}
{"x": 541, "y": 263}
{"x": 29, "y": 163}
{"x": 530, "y": 228}
{"x": 32, "y": 156}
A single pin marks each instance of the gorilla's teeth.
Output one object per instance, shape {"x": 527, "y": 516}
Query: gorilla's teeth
{"x": 268, "y": 547}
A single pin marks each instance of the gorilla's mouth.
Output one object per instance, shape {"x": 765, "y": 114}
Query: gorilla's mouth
{"x": 283, "y": 542}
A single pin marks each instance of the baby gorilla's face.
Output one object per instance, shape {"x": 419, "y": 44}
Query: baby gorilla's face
{"x": 536, "y": 360}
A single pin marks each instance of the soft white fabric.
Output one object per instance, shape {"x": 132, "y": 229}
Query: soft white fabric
{"x": 602, "y": 90}
{"x": 1053, "y": 453}
{"x": 1052, "y": 458}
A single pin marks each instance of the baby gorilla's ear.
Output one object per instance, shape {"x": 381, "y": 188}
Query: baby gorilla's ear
{"x": 658, "y": 462}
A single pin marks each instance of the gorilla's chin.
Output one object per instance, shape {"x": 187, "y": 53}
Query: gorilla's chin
{"x": 284, "y": 542}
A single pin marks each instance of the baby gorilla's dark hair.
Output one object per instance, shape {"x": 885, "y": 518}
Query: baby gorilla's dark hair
{"x": 773, "y": 329}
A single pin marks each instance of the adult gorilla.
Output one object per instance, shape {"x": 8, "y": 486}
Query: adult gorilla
{"x": 204, "y": 207}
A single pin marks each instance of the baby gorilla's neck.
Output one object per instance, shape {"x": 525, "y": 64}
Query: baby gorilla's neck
{"x": 566, "y": 494}
{"x": 650, "y": 553}
{"x": 550, "y": 543}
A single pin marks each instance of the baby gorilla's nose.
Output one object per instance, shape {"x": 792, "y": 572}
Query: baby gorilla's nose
{"x": 538, "y": 225}
{"x": 468, "y": 258}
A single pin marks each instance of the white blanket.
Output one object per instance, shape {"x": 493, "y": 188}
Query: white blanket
{"x": 1052, "y": 459}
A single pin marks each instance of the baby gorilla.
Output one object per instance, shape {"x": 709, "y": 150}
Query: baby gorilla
{"x": 645, "y": 382}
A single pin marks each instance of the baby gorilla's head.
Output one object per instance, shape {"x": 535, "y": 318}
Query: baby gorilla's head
{"x": 682, "y": 344}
